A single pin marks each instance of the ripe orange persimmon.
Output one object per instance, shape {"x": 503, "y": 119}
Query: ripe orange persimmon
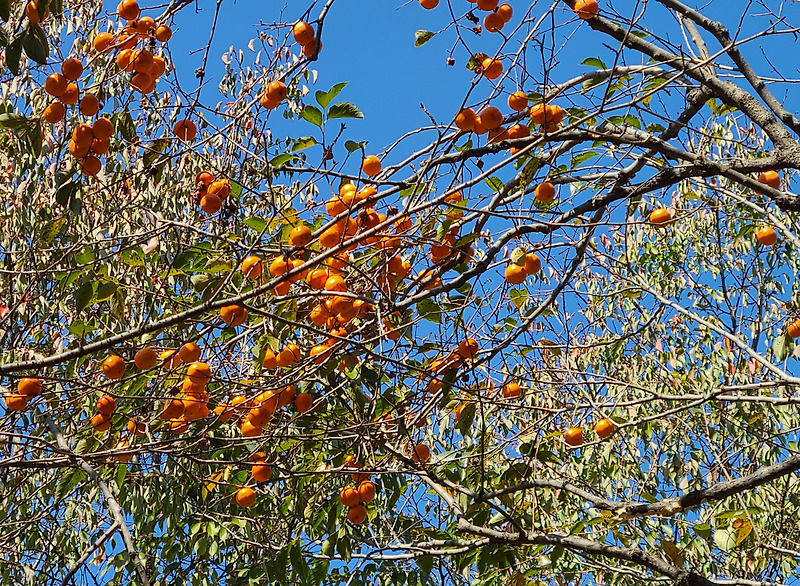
{"x": 310, "y": 48}
{"x": 145, "y": 358}
{"x": 512, "y": 390}
{"x": 465, "y": 119}
{"x": 261, "y": 472}
{"x": 89, "y": 105}
{"x": 173, "y": 409}
{"x": 54, "y": 112}
{"x": 114, "y": 367}
{"x": 574, "y": 436}
{"x": 128, "y": 9}
{"x": 518, "y": 101}
{"x": 660, "y": 217}
{"x": 233, "y": 315}
{"x": 366, "y": 491}
{"x": 15, "y": 401}
{"x": 770, "y": 178}
{"x": 55, "y": 84}
{"x": 219, "y": 187}
{"x": 421, "y": 453}
{"x": 245, "y": 497}
{"x": 331, "y": 237}
{"x": 505, "y": 11}
{"x": 348, "y": 496}
{"x": 371, "y": 165}
{"x": 316, "y": 279}
{"x": 303, "y": 402}
{"x": 199, "y": 372}
{"x": 429, "y": 4}
{"x": 358, "y": 514}
{"x": 29, "y": 387}
{"x": 136, "y": 427}
{"x": 185, "y": 130}
{"x": 101, "y": 422}
{"x": 545, "y": 192}
{"x": 279, "y": 266}
{"x": 170, "y": 358}
{"x": 32, "y": 12}
{"x": 103, "y": 42}
{"x": 163, "y": 33}
{"x": 468, "y": 349}
{"x": 491, "y": 117}
{"x": 604, "y": 428}
{"x": 259, "y": 416}
{"x": 102, "y": 128}
{"x": 91, "y": 166}
{"x": 210, "y": 203}
{"x": 794, "y": 329}
{"x": 766, "y": 235}
{"x": 515, "y": 274}
{"x": 106, "y": 405}
{"x": 190, "y": 352}
{"x": 72, "y": 69}
{"x": 275, "y": 91}
{"x": 519, "y": 131}
{"x": 586, "y": 9}
{"x": 492, "y": 68}
{"x": 122, "y": 445}
{"x": 70, "y": 95}
{"x": 252, "y": 267}
{"x": 302, "y": 32}
{"x": 532, "y": 264}
{"x": 300, "y": 235}
{"x": 289, "y": 355}
{"x": 493, "y": 22}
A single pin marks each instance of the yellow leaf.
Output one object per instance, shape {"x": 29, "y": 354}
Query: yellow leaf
{"x": 212, "y": 484}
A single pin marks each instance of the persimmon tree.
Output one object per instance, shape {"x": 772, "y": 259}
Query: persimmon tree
{"x": 545, "y": 339}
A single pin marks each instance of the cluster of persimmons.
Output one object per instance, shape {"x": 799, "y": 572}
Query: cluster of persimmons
{"x": 355, "y": 221}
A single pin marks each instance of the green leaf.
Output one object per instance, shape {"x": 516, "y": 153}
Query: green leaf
{"x": 782, "y": 347}
{"x": 518, "y": 297}
{"x": 312, "y": 114}
{"x": 344, "y": 110}
{"x": 42, "y": 7}
{"x": 256, "y": 223}
{"x": 282, "y": 159}
{"x": 724, "y": 539}
{"x": 14, "y": 52}
{"x": 126, "y": 126}
{"x": 13, "y": 121}
{"x": 528, "y": 172}
{"x": 425, "y": 564}
{"x": 594, "y": 62}
{"x": 303, "y": 143}
{"x": 5, "y": 11}
{"x": 325, "y": 98}
{"x": 153, "y": 151}
{"x": 353, "y": 146}
{"x": 35, "y": 43}
{"x": 106, "y": 289}
{"x": 52, "y": 229}
{"x": 465, "y": 418}
{"x": 421, "y": 37}
{"x": 702, "y": 530}
{"x": 430, "y": 311}
{"x": 495, "y": 183}
{"x": 84, "y": 294}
